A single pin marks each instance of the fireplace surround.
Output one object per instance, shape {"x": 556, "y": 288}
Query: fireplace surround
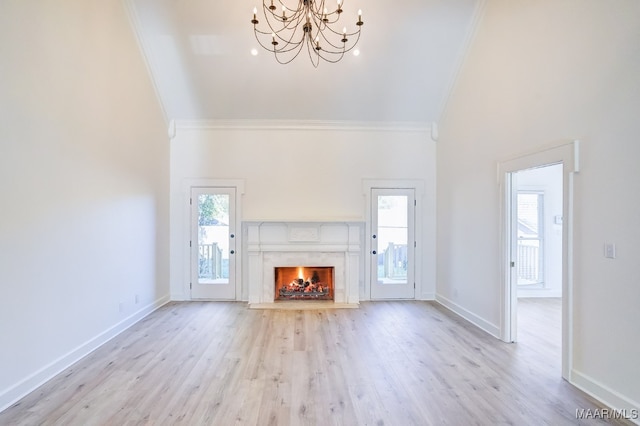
{"x": 275, "y": 244}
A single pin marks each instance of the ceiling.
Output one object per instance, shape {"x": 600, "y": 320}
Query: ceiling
{"x": 198, "y": 52}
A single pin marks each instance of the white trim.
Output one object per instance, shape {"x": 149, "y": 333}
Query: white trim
{"x": 566, "y": 153}
{"x": 492, "y": 329}
{"x": 303, "y": 125}
{"x": 604, "y": 394}
{"x": 428, "y": 296}
{"x": 13, "y": 394}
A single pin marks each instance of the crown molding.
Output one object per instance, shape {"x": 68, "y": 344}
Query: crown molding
{"x": 415, "y": 127}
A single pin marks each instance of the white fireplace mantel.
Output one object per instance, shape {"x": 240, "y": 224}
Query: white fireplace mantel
{"x": 277, "y": 244}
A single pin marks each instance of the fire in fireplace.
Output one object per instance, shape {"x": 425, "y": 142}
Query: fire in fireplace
{"x": 304, "y": 283}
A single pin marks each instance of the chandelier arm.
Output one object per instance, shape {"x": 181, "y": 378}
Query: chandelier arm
{"x": 278, "y": 18}
{"x": 292, "y": 58}
{"x": 284, "y": 49}
{"x": 319, "y": 11}
{"x": 292, "y": 31}
{"x": 333, "y": 17}
{"x": 291, "y": 23}
{"x": 260, "y": 43}
{"x": 311, "y": 53}
{"x": 332, "y": 61}
{"x": 344, "y": 45}
{"x": 333, "y": 58}
{"x": 273, "y": 49}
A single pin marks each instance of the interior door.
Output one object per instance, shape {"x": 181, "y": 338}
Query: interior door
{"x": 392, "y": 243}
{"x": 213, "y": 243}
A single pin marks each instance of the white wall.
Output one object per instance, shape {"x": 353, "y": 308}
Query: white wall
{"x": 547, "y": 180}
{"x": 300, "y": 171}
{"x": 83, "y": 186}
{"x": 538, "y": 72}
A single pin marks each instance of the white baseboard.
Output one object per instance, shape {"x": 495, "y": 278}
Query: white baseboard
{"x": 607, "y": 396}
{"x": 16, "y": 392}
{"x": 428, "y": 296}
{"x": 179, "y": 297}
{"x": 492, "y": 329}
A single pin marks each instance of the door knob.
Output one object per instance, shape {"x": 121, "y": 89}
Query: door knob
{"x": 373, "y": 236}
{"x": 232, "y": 235}
{"x": 232, "y": 251}
{"x": 374, "y": 252}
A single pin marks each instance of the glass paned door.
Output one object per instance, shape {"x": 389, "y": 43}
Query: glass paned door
{"x": 392, "y": 244}
{"x": 213, "y": 248}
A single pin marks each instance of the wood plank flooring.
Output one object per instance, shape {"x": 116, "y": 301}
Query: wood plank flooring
{"x": 387, "y": 363}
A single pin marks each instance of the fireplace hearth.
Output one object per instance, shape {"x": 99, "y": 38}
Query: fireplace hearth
{"x": 304, "y": 283}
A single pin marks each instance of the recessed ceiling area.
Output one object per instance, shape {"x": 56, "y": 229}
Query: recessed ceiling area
{"x": 200, "y": 56}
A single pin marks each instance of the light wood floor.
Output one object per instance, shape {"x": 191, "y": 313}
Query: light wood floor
{"x": 387, "y": 363}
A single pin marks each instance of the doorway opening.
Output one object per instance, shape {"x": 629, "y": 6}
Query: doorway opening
{"x": 537, "y": 237}
{"x": 567, "y": 155}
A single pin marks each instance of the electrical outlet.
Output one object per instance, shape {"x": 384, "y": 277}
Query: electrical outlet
{"x": 610, "y": 250}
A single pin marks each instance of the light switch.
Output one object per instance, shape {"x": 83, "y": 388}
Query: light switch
{"x": 610, "y": 250}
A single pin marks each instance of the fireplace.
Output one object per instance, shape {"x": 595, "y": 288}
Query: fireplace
{"x": 304, "y": 283}
{"x": 286, "y": 246}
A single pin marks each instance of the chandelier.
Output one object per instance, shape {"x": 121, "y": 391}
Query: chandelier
{"x": 309, "y": 25}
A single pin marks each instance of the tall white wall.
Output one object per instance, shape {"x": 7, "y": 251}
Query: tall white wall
{"x": 298, "y": 172}
{"x": 539, "y": 72}
{"x": 83, "y": 186}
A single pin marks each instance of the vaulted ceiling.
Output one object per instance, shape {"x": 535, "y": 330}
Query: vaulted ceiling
{"x": 199, "y": 55}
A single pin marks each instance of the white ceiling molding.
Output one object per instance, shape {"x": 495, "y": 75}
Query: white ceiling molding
{"x": 303, "y": 125}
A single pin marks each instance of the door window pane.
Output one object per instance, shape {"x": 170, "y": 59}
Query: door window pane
{"x": 392, "y": 236}
{"x": 213, "y": 238}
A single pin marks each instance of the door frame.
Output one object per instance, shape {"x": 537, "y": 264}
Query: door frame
{"x": 188, "y": 185}
{"x": 567, "y": 154}
{"x": 391, "y": 291}
{"x": 418, "y": 187}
